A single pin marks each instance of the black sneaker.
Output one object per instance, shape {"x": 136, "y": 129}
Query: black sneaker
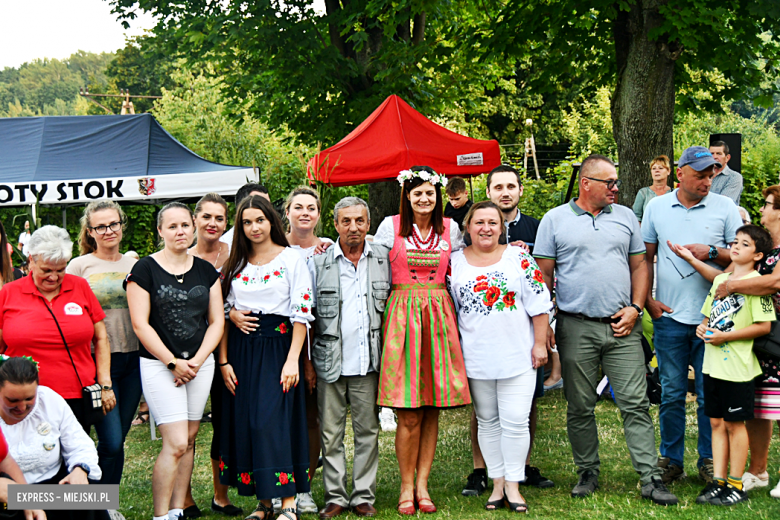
{"x": 730, "y": 496}
{"x": 589, "y": 482}
{"x": 475, "y": 485}
{"x": 710, "y": 493}
{"x": 533, "y": 477}
{"x": 656, "y": 491}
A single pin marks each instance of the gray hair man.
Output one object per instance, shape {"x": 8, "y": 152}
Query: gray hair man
{"x": 595, "y": 249}
{"x": 352, "y": 280}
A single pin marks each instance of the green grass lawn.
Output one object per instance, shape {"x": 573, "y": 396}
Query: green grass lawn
{"x": 618, "y": 496}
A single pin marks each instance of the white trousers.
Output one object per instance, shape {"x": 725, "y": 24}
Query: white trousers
{"x": 503, "y": 407}
{"x": 170, "y": 403}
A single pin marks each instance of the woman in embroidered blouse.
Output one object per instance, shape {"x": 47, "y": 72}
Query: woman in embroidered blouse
{"x": 502, "y": 307}
{"x": 422, "y": 365}
{"x": 264, "y": 447}
{"x": 44, "y": 437}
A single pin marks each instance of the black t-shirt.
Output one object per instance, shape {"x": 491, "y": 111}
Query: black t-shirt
{"x": 525, "y": 229}
{"x": 457, "y": 214}
{"x": 179, "y": 311}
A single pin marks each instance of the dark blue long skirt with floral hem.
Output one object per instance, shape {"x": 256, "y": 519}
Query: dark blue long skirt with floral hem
{"x": 264, "y": 446}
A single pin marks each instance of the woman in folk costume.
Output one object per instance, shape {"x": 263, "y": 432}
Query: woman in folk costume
{"x": 422, "y": 363}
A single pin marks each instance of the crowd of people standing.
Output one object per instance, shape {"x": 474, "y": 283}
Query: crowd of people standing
{"x": 285, "y": 332}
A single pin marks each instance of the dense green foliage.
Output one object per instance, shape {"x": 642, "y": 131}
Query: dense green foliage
{"x": 50, "y": 86}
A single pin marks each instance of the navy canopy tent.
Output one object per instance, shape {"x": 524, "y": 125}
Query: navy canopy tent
{"x": 75, "y": 159}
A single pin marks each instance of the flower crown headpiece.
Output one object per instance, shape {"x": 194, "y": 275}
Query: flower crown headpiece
{"x": 433, "y": 178}
{"x": 4, "y": 358}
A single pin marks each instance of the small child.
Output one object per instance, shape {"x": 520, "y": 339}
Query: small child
{"x": 459, "y": 203}
{"x": 730, "y": 365}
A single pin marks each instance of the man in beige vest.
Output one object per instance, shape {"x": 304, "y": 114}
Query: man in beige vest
{"x": 353, "y": 282}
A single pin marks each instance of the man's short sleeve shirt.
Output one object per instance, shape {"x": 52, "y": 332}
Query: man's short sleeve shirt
{"x": 591, "y": 257}
{"x": 712, "y": 221}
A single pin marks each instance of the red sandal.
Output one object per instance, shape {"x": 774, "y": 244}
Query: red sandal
{"x": 406, "y": 510}
{"x": 424, "y": 508}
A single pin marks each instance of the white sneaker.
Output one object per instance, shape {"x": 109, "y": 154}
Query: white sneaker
{"x": 387, "y": 420}
{"x": 306, "y": 503}
{"x": 750, "y": 481}
{"x": 775, "y": 493}
{"x": 276, "y": 503}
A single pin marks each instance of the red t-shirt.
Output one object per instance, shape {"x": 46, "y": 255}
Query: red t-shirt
{"x": 3, "y": 447}
{"x": 29, "y": 330}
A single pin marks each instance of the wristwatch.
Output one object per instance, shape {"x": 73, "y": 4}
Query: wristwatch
{"x": 106, "y": 388}
{"x": 638, "y": 309}
{"x": 172, "y": 364}
{"x": 713, "y": 254}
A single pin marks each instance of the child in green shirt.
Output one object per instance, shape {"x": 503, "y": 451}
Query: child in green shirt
{"x": 728, "y": 330}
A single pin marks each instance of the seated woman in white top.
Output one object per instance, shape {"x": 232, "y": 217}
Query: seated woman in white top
{"x": 45, "y": 439}
{"x": 502, "y": 306}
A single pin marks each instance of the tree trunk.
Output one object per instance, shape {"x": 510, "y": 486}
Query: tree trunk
{"x": 383, "y": 198}
{"x": 643, "y": 102}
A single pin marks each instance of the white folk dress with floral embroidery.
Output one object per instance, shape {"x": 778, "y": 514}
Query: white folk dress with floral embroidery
{"x": 495, "y": 305}
{"x": 282, "y": 286}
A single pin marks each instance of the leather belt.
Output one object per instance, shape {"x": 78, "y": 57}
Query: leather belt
{"x": 588, "y": 318}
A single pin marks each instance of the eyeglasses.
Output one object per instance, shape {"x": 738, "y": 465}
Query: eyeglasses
{"x": 610, "y": 184}
{"x": 102, "y": 230}
{"x": 767, "y": 203}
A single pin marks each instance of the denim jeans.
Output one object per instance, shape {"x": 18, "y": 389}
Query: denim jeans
{"x": 126, "y": 381}
{"x": 676, "y": 347}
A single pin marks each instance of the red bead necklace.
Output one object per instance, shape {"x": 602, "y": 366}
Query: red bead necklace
{"x": 432, "y": 242}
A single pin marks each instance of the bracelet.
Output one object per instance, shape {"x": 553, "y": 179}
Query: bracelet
{"x": 224, "y": 364}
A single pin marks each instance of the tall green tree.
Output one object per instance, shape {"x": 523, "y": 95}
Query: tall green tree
{"x": 653, "y": 53}
{"x": 321, "y": 74}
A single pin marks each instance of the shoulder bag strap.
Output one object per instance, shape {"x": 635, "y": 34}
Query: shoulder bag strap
{"x": 64, "y": 342}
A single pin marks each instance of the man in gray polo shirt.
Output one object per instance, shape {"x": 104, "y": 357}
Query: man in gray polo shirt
{"x": 704, "y": 222}
{"x": 595, "y": 249}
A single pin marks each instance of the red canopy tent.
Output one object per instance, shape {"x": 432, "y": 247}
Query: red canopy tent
{"x": 396, "y": 137}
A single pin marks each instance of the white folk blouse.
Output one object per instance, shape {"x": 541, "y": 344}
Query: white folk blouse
{"x": 49, "y": 435}
{"x": 282, "y": 286}
{"x": 495, "y": 305}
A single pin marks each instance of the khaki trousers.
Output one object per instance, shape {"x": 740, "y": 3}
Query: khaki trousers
{"x": 332, "y": 398}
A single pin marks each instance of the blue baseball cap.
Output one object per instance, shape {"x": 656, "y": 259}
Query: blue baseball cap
{"x": 698, "y": 158}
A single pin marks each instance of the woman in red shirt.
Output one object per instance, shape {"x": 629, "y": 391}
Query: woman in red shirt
{"x": 35, "y": 308}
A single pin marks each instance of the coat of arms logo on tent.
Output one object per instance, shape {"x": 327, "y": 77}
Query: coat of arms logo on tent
{"x": 146, "y": 186}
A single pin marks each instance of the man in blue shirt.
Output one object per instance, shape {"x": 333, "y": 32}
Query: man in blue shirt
{"x": 706, "y": 222}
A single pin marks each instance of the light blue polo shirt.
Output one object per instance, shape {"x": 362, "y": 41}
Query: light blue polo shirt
{"x": 713, "y": 221}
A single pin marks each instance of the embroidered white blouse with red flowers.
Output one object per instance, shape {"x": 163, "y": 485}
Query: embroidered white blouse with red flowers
{"x": 495, "y": 305}
{"x": 282, "y": 286}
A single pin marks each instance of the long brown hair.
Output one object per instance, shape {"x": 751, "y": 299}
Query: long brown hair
{"x": 87, "y": 244}
{"x": 406, "y": 212}
{"x": 242, "y": 246}
{"x": 7, "y": 273}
